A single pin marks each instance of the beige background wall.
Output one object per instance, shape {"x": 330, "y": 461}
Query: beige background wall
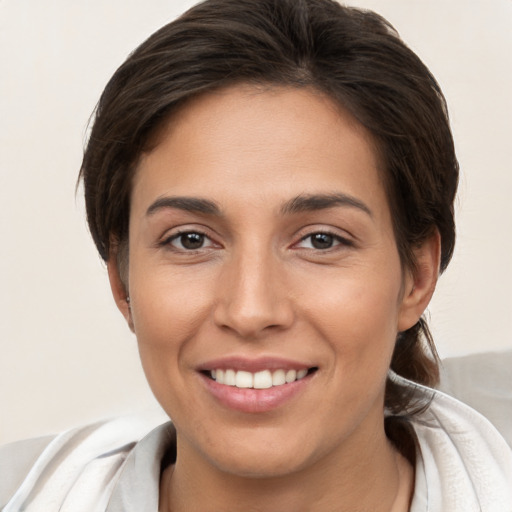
{"x": 66, "y": 356}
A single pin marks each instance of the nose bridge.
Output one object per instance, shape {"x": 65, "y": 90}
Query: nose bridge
{"x": 252, "y": 297}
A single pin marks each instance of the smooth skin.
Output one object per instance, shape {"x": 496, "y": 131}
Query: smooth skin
{"x": 245, "y": 273}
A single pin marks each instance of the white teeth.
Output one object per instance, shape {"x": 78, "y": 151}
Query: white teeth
{"x": 291, "y": 375}
{"x": 278, "y": 378}
{"x": 243, "y": 380}
{"x": 230, "y": 377}
{"x": 301, "y": 374}
{"x": 260, "y": 380}
{"x": 263, "y": 380}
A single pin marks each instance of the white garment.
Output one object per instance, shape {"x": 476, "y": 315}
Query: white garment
{"x": 463, "y": 465}
{"x": 484, "y": 382}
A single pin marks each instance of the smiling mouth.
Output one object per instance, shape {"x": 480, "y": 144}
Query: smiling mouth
{"x": 264, "y": 379}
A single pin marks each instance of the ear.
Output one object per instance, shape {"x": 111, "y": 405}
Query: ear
{"x": 119, "y": 290}
{"x": 420, "y": 282}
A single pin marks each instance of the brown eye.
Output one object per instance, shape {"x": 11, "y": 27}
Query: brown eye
{"x": 189, "y": 241}
{"x": 322, "y": 241}
{"x": 192, "y": 240}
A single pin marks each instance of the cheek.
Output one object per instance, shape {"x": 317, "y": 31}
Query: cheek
{"x": 167, "y": 312}
{"x": 167, "y": 306}
{"x": 362, "y": 334}
{"x": 358, "y": 315}
{"x": 363, "y": 300}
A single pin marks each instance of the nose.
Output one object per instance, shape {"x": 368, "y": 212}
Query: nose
{"x": 252, "y": 296}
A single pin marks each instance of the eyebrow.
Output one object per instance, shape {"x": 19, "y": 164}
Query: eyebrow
{"x": 189, "y": 204}
{"x": 312, "y": 202}
{"x": 301, "y": 203}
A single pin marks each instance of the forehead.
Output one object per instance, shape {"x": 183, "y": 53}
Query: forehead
{"x": 258, "y": 141}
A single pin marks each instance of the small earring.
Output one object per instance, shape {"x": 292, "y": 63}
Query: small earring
{"x": 128, "y": 300}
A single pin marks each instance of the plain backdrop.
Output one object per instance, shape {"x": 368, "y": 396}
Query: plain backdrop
{"x": 66, "y": 356}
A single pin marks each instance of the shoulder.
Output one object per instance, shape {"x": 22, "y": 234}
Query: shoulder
{"x": 79, "y": 465}
{"x": 463, "y": 463}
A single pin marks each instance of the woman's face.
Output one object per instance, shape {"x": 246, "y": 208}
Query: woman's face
{"x": 261, "y": 249}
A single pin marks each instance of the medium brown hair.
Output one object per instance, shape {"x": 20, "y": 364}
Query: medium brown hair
{"x": 353, "y": 56}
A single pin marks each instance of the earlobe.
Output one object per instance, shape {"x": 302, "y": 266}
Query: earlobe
{"x": 119, "y": 291}
{"x": 420, "y": 282}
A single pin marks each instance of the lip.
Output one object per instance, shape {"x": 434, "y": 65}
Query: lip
{"x": 248, "y": 400}
{"x": 253, "y": 365}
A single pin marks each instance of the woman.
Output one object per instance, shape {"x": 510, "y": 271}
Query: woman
{"x": 271, "y": 185}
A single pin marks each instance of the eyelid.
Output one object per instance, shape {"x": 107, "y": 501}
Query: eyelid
{"x": 341, "y": 239}
{"x": 175, "y": 233}
{"x": 207, "y": 240}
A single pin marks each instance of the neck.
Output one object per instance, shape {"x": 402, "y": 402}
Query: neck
{"x": 374, "y": 479}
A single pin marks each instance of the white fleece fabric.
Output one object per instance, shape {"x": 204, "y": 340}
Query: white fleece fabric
{"x": 463, "y": 464}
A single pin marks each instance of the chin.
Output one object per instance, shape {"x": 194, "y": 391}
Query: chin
{"x": 260, "y": 466}
{"x": 263, "y": 456}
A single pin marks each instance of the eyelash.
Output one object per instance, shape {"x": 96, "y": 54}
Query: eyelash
{"x": 167, "y": 242}
{"x": 337, "y": 240}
